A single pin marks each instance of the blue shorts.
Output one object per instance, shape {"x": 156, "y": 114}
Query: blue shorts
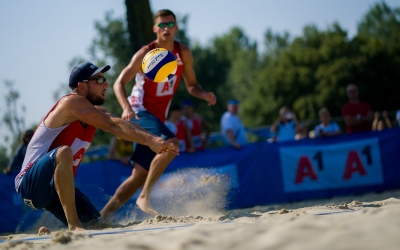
{"x": 142, "y": 154}
{"x": 37, "y": 191}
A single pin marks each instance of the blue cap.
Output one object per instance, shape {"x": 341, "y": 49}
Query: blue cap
{"x": 233, "y": 101}
{"x": 84, "y": 71}
{"x": 187, "y": 102}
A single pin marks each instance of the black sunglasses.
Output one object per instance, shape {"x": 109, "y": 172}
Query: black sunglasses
{"x": 100, "y": 80}
{"x": 163, "y": 25}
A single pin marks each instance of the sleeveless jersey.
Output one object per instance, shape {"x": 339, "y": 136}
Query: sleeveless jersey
{"x": 77, "y": 135}
{"x": 194, "y": 125}
{"x": 179, "y": 131}
{"x": 156, "y": 97}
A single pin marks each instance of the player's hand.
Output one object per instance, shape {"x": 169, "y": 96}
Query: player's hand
{"x": 210, "y": 98}
{"x": 237, "y": 145}
{"x": 128, "y": 114}
{"x": 160, "y": 146}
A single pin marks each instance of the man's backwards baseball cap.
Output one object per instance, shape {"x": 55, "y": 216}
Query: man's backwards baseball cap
{"x": 84, "y": 71}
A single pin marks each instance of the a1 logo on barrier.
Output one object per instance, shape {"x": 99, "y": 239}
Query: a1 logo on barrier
{"x": 339, "y": 165}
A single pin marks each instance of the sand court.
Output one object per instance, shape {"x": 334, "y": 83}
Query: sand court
{"x": 370, "y": 221}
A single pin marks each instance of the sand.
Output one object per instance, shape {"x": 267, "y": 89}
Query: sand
{"x": 370, "y": 221}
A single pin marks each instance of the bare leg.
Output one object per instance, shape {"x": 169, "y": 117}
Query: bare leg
{"x": 157, "y": 167}
{"x": 125, "y": 191}
{"x": 65, "y": 187}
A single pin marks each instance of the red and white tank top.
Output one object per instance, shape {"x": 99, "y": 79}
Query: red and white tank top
{"x": 194, "y": 125}
{"x": 156, "y": 97}
{"x": 179, "y": 130}
{"x": 77, "y": 135}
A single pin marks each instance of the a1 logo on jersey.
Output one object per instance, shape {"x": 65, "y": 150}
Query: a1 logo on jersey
{"x": 166, "y": 88}
{"x": 79, "y": 148}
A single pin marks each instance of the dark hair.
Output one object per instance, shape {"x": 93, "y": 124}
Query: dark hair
{"x": 29, "y": 133}
{"x": 175, "y": 107}
{"x": 163, "y": 13}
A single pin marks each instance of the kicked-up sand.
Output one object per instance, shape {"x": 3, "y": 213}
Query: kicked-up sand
{"x": 370, "y": 221}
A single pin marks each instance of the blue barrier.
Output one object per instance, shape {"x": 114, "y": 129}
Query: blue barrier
{"x": 260, "y": 173}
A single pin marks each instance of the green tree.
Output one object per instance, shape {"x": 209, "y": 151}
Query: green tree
{"x": 13, "y": 118}
{"x": 140, "y": 23}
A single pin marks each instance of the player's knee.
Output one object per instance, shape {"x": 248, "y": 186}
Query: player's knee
{"x": 139, "y": 171}
{"x": 64, "y": 154}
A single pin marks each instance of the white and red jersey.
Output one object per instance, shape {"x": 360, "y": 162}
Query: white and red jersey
{"x": 77, "y": 135}
{"x": 179, "y": 130}
{"x": 194, "y": 125}
{"x": 156, "y": 97}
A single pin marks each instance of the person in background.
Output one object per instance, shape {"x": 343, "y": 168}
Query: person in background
{"x": 357, "y": 115}
{"x": 398, "y": 118}
{"x": 285, "y": 126}
{"x": 18, "y": 158}
{"x": 120, "y": 150}
{"x": 326, "y": 127}
{"x": 180, "y": 129}
{"x": 231, "y": 126}
{"x": 381, "y": 124}
{"x": 302, "y": 131}
{"x": 196, "y": 124}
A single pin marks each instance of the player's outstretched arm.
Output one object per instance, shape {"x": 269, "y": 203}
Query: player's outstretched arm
{"x": 190, "y": 78}
{"x": 127, "y": 74}
{"x": 83, "y": 110}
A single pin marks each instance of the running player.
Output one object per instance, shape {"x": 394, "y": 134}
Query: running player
{"x": 148, "y": 105}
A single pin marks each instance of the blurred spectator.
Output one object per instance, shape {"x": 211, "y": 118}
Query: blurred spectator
{"x": 180, "y": 129}
{"x": 196, "y": 124}
{"x": 380, "y": 124}
{"x": 120, "y": 150}
{"x": 302, "y": 131}
{"x": 398, "y": 118}
{"x": 231, "y": 126}
{"x": 285, "y": 126}
{"x": 326, "y": 127}
{"x": 18, "y": 158}
{"x": 356, "y": 114}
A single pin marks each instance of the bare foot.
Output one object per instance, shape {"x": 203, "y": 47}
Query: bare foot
{"x": 145, "y": 206}
{"x": 43, "y": 231}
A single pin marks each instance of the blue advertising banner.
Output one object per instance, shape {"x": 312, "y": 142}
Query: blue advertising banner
{"x": 260, "y": 173}
{"x": 336, "y": 165}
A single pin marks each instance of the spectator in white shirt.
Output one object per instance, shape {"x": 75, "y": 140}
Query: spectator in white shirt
{"x": 327, "y": 127}
{"x": 231, "y": 126}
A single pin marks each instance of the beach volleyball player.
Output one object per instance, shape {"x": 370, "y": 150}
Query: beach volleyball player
{"x": 148, "y": 105}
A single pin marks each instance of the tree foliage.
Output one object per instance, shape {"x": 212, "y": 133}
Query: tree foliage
{"x": 306, "y": 72}
{"x": 13, "y": 119}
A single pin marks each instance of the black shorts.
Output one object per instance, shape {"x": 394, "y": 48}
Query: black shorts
{"x": 142, "y": 154}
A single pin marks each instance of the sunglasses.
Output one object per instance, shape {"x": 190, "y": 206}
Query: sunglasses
{"x": 100, "y": 80}
{"x": 163, "y": 25}
{"x": 352, "y": 91}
